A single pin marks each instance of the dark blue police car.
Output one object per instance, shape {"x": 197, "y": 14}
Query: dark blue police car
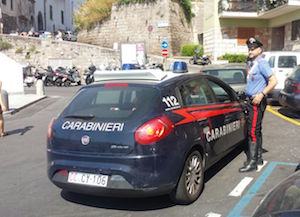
{"x": 144, "y": 132}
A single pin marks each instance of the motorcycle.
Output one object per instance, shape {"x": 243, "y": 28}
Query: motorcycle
{"x": 48, "y": 76}
{"x": 204, "y": 60}
{"x": 88, "y": 75}
{"x": 71, "y": 77}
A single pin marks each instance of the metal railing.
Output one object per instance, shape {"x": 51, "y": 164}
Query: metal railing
{"x": 266, "y": 5}
{"x": 237, "y": 6}
{"x": 249, "y": 5}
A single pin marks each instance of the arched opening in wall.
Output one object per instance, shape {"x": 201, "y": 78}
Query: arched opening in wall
{"x": 40, "y": 21}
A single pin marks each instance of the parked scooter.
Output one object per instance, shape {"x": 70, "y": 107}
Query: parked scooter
{"x": 58, "y": 76}
{"x": 88, "y": 75}
{"x": 28, "y": 77}
{"x": 72, "y": 77}
{"x": 48, "y": 77}
{"x": 203, "y": 60}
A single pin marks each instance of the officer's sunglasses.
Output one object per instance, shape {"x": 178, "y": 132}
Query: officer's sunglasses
{"x": 252, "y": 48}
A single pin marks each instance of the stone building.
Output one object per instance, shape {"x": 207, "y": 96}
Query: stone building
{"x": 17, "y": 15}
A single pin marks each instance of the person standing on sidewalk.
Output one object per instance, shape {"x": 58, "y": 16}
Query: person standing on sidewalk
{"x": 2, "y": 109}
{"x": 260, "y": 82}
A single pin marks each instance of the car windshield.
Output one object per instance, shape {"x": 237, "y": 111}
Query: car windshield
{"x": 230, "y": 76}
{"x": 113, "y": 102}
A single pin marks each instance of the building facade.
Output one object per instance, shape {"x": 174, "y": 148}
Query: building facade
{"x": 228, "y": 24}
{"x": 51, "y": 15}
{"x": 16, "y": 15}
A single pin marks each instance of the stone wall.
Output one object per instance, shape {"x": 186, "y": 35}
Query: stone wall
{"x": 149, "y": 23}
{"x": 36, "y": 51}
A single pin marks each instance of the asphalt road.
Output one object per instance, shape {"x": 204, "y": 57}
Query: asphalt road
{"x": 26, "y": 191}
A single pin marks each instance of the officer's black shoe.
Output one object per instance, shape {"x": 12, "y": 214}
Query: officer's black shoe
{"x": 260, "y": 161}
{"x": 252, "y": 165}
{"x": 249, "y": 167}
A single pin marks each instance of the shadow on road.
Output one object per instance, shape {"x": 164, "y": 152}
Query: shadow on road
{"x": 144, "y": 204}
{"x": 130, "y": 204}
{"x": 20, "y": 131}
{"x": 289, "y": 113}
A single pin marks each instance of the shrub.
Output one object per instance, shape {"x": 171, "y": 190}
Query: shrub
{"x": 189, "y": 49}
{"x": 27, "y": 56}
{"x": 4, "y": 45}
{"x": 19, "y": 50}
{"x": 32, "y": 49}
{"x": 234, "y": 58}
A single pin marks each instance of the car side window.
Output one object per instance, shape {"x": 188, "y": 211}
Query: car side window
{"x": 287, "y": 61}
{"x": 222, "y": 96}
{"x": 196, "y": 92}
{"x": 272, "y": 61}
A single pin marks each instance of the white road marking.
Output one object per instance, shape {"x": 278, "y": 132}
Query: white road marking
{"x": 238, "y": 190}
{"x": 211, "y": 214}
{"x": 259, "y": 167}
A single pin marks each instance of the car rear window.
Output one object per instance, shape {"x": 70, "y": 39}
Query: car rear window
{"x": 113, "y": 102}
{"x": 296, "y": 74}
{"x": 287, "y": 61}
{"x": 230, "y": 76}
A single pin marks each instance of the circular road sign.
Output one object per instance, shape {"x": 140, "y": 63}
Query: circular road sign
{"x": 164, "y": 45}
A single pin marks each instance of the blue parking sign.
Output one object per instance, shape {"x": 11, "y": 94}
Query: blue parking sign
{"x": 164, "y": 45}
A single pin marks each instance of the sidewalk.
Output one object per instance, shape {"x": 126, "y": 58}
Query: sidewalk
{"x": 20, "y": 101}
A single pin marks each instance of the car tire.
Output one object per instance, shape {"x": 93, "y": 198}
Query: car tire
{"x": 191, "y": 181}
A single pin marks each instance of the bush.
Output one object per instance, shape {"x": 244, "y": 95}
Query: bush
{"x": 19, "y": 50}
{"x": 4, "y": 45}
{"x": 234, "y": 58}
{"x": 27, "y": 56}
{"x": 189, "y": 49}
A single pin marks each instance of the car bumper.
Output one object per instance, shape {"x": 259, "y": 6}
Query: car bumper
{"x": 290, "y": 100}
{"x": 127, "y": 176}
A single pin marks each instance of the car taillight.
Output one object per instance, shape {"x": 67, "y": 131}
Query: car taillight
{"x": 50, "y": 128}
{"x": 154, "y": 130}
{"x": 297, "y": 88}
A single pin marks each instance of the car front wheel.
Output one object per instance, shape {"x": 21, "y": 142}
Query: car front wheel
{"x": 190, "y": 184}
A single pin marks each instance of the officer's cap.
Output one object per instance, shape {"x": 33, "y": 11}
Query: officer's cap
{"x": 253, "y": 43}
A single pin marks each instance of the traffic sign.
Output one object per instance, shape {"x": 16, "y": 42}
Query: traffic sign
{"x": 164, "y": 45}
{"x": 164, "y": 52}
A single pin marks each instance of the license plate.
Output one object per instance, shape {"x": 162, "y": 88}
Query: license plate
{"x": 88, "y": 179}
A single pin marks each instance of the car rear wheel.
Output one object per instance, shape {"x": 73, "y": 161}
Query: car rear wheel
{"x": 190, "y": 184}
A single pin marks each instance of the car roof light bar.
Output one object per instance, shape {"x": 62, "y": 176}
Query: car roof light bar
{"x": 156, "y": 75}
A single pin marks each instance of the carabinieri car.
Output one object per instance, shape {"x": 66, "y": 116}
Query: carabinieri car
{"x": 144, "y": 132}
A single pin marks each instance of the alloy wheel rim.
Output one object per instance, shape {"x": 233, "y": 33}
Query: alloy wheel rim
{"x": 193, "y": 175}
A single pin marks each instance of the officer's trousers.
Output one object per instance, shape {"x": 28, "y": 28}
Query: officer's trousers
{"x": 256, "y": 114}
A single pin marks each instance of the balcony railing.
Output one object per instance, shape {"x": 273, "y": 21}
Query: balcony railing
{"x": 249, "y": 5}
{"x": 237, "y": 6}
{"x": 266, "y": 5}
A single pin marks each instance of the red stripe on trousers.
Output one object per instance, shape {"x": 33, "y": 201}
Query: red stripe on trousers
{"x": 254, "y": 124}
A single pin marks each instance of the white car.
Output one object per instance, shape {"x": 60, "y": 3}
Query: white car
{"x": 282, "y": 64}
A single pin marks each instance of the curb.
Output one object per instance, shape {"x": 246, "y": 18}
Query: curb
{"x": 13, "y": 111}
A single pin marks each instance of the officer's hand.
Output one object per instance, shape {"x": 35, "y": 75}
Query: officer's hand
{"x": 3, "y": 108}
{"x": 257, "y": 99}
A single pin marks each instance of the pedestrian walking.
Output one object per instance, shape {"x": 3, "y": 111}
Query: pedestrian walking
{"x": 260, "y": 82}
{"x": 2, "y": 109}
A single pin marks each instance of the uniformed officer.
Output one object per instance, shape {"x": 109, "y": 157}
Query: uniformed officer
{"x": 260, "y": 82}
